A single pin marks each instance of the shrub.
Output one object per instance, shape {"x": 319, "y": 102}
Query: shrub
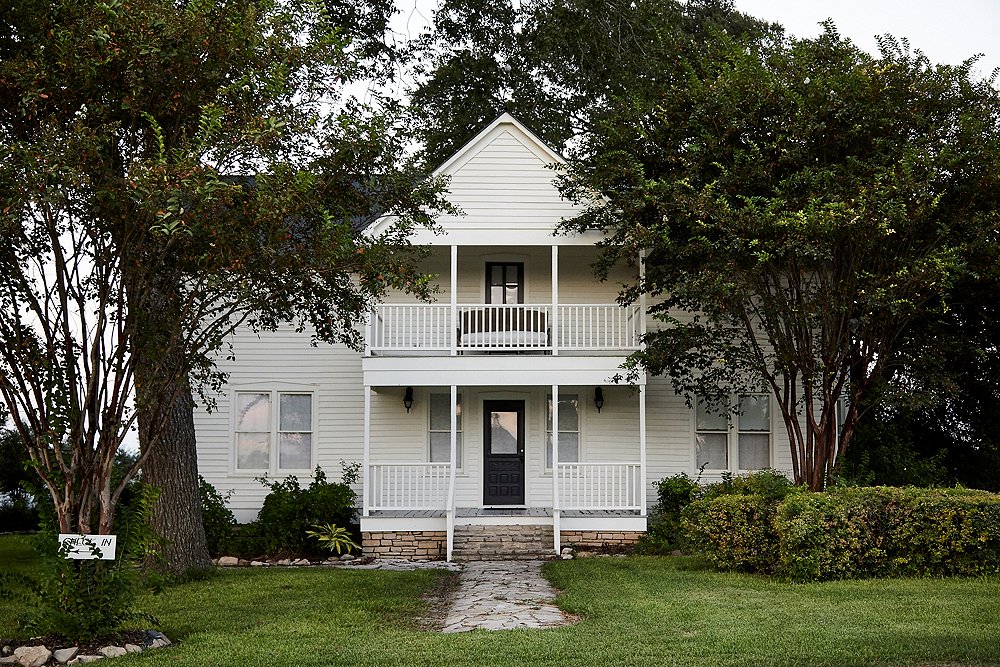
{"x": 289, "y": 511}
{"x": 217, "y": 518}
{"x": 886, "y": 531}
{"x": 84, "y": 599}
{"x": 733, "y": 532}
{"x": 664, "y": 532}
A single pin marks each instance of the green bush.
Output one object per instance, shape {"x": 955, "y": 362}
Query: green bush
{"x": 887, "y": 531}
{"x": 733, "y": 532}
{"x": 217, "y": 518}
{"x": 289, "y": 511}
{"x": 664, "y": 532}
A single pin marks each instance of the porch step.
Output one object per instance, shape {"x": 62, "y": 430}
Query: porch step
{"x": 477, "y": 542}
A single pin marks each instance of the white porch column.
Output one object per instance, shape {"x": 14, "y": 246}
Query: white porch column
{"x": 555, "y": 300}
{"x": 642, "y": 296}
{"x": 454, "y": 301}
{"x": 450, "y": 510}
{"x": 366, "y": 491}
{"x": 642, "y": 449}
{"x": 555, "y": 468}
{"x": 369, "y": 332}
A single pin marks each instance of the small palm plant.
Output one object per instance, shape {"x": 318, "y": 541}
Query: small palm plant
{"x": 333, "y": 538}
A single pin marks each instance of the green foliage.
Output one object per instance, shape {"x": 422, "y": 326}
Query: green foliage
{"x": 810, "y": 212}
{"x": 333, "y": 538}
{"x": 884, "y": 531}
{"x": 217, "y": 518}
{"x": 771, "y": 485}
{"x": 84, "y": 599}
{"x": 733, "y": 532}
{"x": 663, "y": 530}
{"x": 289, "y": 510}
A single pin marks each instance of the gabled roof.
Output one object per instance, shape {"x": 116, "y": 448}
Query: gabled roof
{"x": 503, "y": 181}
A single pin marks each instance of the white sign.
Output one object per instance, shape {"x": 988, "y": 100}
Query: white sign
{"x": 82, "y": 547}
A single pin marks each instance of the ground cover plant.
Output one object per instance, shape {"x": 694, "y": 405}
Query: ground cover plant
{"x": 635, "y": 611}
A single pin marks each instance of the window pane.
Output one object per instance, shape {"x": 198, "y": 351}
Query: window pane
{"x": 712, "y": 451}
{"x": 503, "y": 432}
{"x": 709, "y": 421}
{"x": 569, "y": 413}
{"x": 253, "y": 412}
{"x": 441, "y": 448}
{"x": 295, "y": 451}
{"x": 510, "y": 296}
{"x": 295, "y": 412}
{"x": 569, "y": 448}
{"x": 513, "y": 274}
{"x": 441, "y": 413}
{"x": 253, "y": 451}
{"x": 754, "y": 451}
{"x": 755, "y": 413}
{"x": 496, "y": 274}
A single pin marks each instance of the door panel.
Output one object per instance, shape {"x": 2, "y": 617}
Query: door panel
{"x": 503, "y": 455}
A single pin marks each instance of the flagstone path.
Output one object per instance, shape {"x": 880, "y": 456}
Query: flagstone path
{"x": 503, "y": 595}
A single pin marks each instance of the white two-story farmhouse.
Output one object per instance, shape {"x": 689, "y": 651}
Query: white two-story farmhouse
{"x": 486, "y": 423}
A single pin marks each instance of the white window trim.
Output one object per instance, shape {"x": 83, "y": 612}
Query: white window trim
{"x": 461, "y": 429}
{"x": 733, "y": 440}
{"x": 274, "y": 390}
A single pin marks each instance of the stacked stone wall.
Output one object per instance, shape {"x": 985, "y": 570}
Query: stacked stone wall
{"x": 411, "y": 545}
{"x": 623, "y": 540}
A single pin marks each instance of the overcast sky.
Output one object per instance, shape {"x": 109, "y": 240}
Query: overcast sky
{"x": 948, "y": 32}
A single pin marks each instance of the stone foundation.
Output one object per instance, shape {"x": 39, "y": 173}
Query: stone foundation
{"x": 411, "y": 545}
{"x": 609, "y": 540}
{"x": 502, "y": 542}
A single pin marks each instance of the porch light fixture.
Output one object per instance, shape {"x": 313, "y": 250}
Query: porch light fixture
{"x": 408, "y": 398}
{"x": 598, "y": 398}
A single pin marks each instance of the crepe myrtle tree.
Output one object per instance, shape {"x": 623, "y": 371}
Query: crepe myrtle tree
{"x": 171, "y": 171}
{"x": 805, "y": 209}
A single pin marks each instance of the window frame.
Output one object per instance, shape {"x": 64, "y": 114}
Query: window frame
{"x": 733, "y": 432}
{"x": 274, "y": 434}
{"x": 546, "y": 458}
{"x": 460, "y": 444}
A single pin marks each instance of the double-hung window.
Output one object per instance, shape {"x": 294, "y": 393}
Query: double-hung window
{"x": 274, "y": 431}
{"x": 440, "y": 429}
{"x": 743, "y": 443}
{"x": 569, "y": 430}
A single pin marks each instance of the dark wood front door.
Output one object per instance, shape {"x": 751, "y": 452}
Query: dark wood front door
{"x": 503, "y": 458}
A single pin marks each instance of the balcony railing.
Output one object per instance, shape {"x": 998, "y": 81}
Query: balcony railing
{"x": 434, "y": 328}
{"x": 604, "y": 486}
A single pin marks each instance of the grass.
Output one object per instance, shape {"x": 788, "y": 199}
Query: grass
{"x": 19, "y": 558}
{"x": 636, "y": 611}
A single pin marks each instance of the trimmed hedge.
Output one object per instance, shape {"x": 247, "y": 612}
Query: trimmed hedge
{"x": 888, "y": 532}
{"x": 850, "y": 533}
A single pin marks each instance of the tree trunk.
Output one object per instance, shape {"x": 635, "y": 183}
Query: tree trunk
{"x": 172, "y": 467}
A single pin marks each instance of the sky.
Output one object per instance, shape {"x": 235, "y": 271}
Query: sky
{"x": 948, "y": 32}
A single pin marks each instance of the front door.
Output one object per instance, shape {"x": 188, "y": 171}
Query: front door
{"x": 503, "y": 458}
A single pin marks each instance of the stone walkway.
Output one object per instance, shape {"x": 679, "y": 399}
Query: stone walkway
{"x": 503, "y": 595}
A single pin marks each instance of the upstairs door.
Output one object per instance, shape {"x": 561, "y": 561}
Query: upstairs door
{"x": 504, "y": 283}
{"x": 503, "y": 458}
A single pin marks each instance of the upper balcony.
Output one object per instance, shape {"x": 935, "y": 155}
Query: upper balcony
{"x": 490, "y": 328}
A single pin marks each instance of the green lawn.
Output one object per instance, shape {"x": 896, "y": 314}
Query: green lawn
{"x": 637, "y": 611}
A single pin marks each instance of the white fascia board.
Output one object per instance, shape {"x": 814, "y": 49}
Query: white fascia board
{"x": 402, "y": 524}
{"x": 603, "y": 523}
{"x": 457, "y": 235}
{"x": 473, "y": 370}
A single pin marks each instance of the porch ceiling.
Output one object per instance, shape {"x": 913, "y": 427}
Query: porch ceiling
{"x": 491, "y": 370}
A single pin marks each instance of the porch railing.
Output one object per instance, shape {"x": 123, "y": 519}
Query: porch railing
{"x": 408, "y": 486}
{"x": 410, "y": 328}
{"x": 605, "y": 486}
